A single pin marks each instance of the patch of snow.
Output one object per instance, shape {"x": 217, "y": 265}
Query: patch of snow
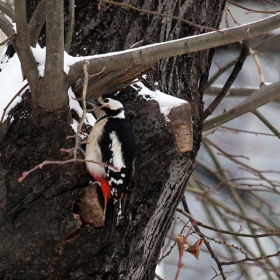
{"x": 166, "y": 102}
{"x": 75, "y": 105}
{"x": 11, "y": 81}
{"x": 40, "y": 57}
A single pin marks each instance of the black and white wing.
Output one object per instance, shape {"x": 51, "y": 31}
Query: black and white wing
{"x": 118, "y": 149}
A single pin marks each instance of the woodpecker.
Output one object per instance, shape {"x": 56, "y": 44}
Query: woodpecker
{"x": 111, "y": 141}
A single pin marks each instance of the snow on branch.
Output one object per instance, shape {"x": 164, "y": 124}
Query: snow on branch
{"x": 149, "y": 54}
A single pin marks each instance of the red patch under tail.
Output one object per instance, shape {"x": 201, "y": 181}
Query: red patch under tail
{"x": 105, "y": 188}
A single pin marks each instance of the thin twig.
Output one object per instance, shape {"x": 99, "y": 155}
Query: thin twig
{"x": 225, "y": 231}
{"x": 79, "y": 129}
{"x": 237, "y": 130}
{"x": 252, "y": 10}
{"x": 277, "y": 254}
{"x": 61, "y": 162}
{"x": 158, "y": 277}
{"x": 258, "y": 64}
{"x": 196, "y": 227}
{"x": 77, "y": 140}
{"x": 10, "y": 38}
{"x": 233, "y": 18}
{"x": 266, "y": 123}
{"x": 124, "y": 5}
{"x": 8, "y": 105}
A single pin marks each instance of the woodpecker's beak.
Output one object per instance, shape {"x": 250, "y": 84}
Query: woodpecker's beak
{"x": 93, "y": 102}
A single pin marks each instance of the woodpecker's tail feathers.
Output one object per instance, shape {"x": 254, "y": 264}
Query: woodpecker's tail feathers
{"x": 111, "y": 218}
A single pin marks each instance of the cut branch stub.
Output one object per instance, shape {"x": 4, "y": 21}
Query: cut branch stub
{"x": 89, "y": 206}
{"x": 181, "y": 125}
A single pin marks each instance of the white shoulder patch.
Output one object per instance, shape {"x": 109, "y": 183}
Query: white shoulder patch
{"x": 116, "y": 148}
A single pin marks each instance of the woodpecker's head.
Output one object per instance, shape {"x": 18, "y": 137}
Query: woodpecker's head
{"x": 107, "y": 105}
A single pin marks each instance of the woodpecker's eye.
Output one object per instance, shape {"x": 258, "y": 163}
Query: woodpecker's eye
{"x": 106, "y": 100}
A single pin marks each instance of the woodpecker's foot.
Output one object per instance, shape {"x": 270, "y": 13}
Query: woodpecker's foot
{"x": 94, "y": 182}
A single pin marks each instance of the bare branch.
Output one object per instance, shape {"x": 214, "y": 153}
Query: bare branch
{"x": 237, "y": 68}
{"x": 253, "y": 10}
{"x": 70, "y": 25}
{"x": 22, "y": 47}
{"x": 277, "y": 254}
{"x": 6, "y": 26}
{"x": 274, "y": 233}
{"x": 36, "y": 23}
{"x": 266, "y": 123}
{"x": 10, "y": 38}
{"x": 260, "y": 97}
{"x": 220, "y": 72}
{"x": 258, "y": 64}
{"x": 234, "y": 91}
{"x": 8, "y": 105}
{"x": 60, "y": 162}
{"x": 152, "y": 53}
{"x": 8, "y": 10}
{"x": 237, "y": 130}
{"x": 207, "y": 244}
{"x": 125, "y": 5}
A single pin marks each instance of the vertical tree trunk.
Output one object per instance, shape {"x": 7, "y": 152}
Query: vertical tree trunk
{"x": 41, "y": 238}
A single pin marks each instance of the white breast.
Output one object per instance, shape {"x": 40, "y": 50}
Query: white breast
{"x": 93, "y": 152}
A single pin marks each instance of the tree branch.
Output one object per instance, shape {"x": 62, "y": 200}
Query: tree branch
{"x": 274, "y": 233}
{"x": 207, "y": 244}
{"x": 237, "y": 68}
{"x": 6, "y": 26}
{"x": 8, "y": 10}
{"x": 70, "y": 25}
{"x": 54, "y": 96}
{"x": 36, "y": 23}
{"x": 10, "y": 38}
{"x": 22, "y": 47}
{"x": 8, "y": 105}
{"x": 152, "y": 53}
{"x": 277, "y": 254}
{"x": 260, "y": 97}
{"x": 252, "y": 10}
{"x": 125, "y": 5}
{"x": 265, "y": 121}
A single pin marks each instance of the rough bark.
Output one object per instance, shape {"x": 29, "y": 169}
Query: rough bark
{"x": 41, "y": 236}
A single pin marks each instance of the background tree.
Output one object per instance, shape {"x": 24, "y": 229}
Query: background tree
{"x": 43, "y": 222}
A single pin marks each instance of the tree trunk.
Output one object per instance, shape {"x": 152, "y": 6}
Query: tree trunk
{"x": 42, "y": 233}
